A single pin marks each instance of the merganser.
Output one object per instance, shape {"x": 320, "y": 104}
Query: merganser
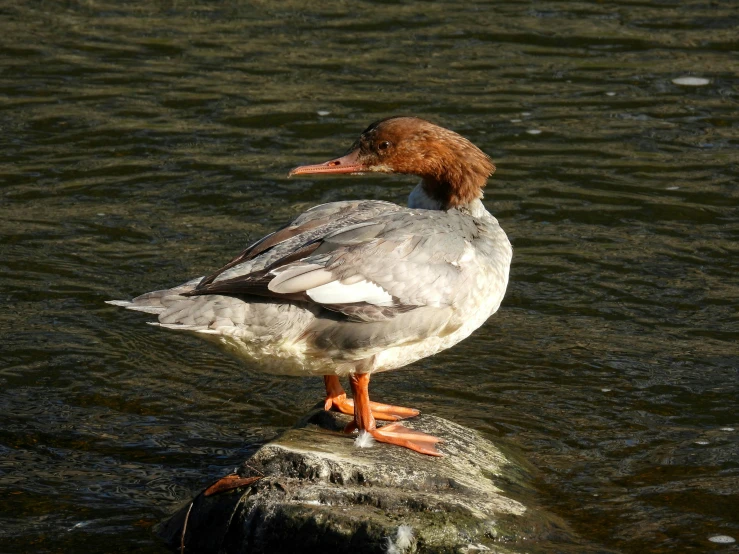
{"x": 359, "y": 287}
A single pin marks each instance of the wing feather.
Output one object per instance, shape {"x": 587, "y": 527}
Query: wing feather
{"x": 369, "y": 261}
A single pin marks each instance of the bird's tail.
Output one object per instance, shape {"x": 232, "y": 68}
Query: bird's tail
{"x": 151, "y": 302}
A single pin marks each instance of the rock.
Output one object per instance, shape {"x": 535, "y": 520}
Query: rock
{"x": 318, "y": 492}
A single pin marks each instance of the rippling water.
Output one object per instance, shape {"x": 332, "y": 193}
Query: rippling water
{"x": 146, "y": 143}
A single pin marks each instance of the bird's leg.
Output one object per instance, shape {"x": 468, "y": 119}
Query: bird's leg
{"x": 393, "y": 433}
{"x": 336, "y": 398}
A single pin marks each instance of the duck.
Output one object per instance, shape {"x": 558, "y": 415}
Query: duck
{"x": 358, "y": 287}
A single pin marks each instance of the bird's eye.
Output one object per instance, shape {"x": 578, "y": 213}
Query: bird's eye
{"x": 384, "y": 145}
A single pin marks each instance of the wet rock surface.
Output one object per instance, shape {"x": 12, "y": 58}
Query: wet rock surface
{"x": 316, "y": 492}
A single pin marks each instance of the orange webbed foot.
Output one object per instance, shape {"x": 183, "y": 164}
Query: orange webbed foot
{"x": 383, "y": 412}
{"x": 340, "y": 403}
{"x": 388, "y": 412}
{"x": 365, "y": 413}
{"x": 397, "y": 434}
{"x": 336, "y": 399}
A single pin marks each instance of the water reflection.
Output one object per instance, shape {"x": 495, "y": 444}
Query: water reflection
{"x": 143, "y": 144}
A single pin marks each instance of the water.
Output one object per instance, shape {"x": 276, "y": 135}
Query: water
{"x": 143, "y": 144}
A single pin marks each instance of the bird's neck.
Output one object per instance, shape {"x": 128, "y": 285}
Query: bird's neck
{"x": 420, "y": 199}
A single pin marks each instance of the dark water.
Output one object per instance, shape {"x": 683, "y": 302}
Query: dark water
{"x": 145, "y": 143}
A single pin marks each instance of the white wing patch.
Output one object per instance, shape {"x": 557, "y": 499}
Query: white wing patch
{"x": 337, "y": 292}
{"x": 322, "y": 287}
{"x": 299, "y": 278}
